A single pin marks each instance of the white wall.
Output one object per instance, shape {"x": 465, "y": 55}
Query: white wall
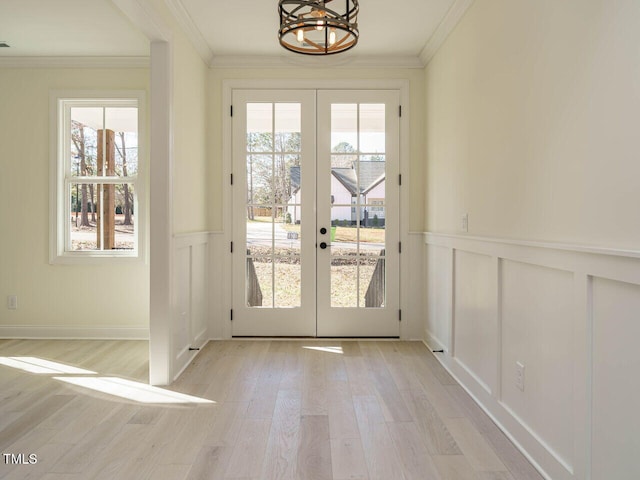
{"x": 532, "y": 111}
{"x": 532, "y": 115}
{"x": 56, "y": 300}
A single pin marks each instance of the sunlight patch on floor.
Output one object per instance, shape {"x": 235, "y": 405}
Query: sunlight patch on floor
{"x": 115, "y": 386}
{"x": 42, "y": 366}
{"x": 325, "y": 349}
{"x": 131, "y": 390}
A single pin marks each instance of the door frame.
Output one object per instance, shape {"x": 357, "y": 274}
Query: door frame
{"x": 401, "y": 85}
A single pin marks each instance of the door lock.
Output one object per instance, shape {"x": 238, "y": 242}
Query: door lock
{"x": 323, "y": 230}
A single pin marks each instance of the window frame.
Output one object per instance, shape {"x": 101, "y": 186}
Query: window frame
{"x": 61, "y": 103}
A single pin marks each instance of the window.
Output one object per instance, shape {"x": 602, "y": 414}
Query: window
{"x": 377, "y": 204}
{"x": 98, "y": 209}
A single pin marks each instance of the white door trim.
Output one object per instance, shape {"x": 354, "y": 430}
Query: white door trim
{"x": 317, "y": 84}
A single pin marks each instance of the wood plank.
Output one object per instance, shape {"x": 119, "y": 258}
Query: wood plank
{"x": 414, "y": 458}
{"x": 211, "y": 462}
{"x": 314, "y": 390}
{"x": 380, "y": 454}
{"x": 194, "y": 424}
{"x": 454, "y": 467}
{"x": 112, "y": 462}
{"x": 358, "y": 375}
{"x": 351, "y": 348}
{"x": 91, "y": 445}
{"x": 342, "y": 416}
{"x": 473, "y": 445}
{"x": 249, "y": 450}
{"x": 386, "y": 390}
{"x": 314, "y": 454}
{"x": 427, "y": 357}
{"x": 293, "y": 366}
{"x": 265, "y": 392}
{"x": 226, "y": 427}
{"x": 494, "y": 476}
{"x": 347, "y": 459}
{"x": 33, "y": 416}
{"x": 435, "y": 434}
{"x": 398, "y": 365}
{"x": 280, "y": 461}
{"x": 437, "y": 394}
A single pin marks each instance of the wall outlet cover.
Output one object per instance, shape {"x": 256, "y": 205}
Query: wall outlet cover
{"x": 12, "y": 302}
{"x": 520, "y": 376}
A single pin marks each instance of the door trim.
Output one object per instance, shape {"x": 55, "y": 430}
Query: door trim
{"x": 403, "y": 87}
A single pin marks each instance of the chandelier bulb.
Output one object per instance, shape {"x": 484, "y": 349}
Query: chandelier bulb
{"x": 300, "y": 35}
{"x": 332, "y": 36}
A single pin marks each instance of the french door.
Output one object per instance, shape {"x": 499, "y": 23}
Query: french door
{"x": 315, "y": 213}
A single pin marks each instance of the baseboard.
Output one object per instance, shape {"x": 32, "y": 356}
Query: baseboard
{"x": 66, "y": 332}
{"x": 432, "y": 342}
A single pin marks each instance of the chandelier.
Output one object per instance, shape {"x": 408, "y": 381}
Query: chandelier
{"x": 314, "y": 28}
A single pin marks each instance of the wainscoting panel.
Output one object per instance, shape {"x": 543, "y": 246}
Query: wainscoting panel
{"x": 570, "y": 315}
{"x": 439, "y": 287}
{"x": 474, "y": 314}
{"x": 537, "y": 333}
{"x": 616, "y": 380}
{"x": 190, "y": 305}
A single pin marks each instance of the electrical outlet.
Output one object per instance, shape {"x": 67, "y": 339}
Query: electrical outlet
{"x": 465, "y": 222}
{"x": 12, "y": 302}
{"x": 520, "y": 376}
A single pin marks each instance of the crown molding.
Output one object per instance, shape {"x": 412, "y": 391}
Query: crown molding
{"x": 74, "y": 62}
{"x": 188, "y": 26}
{"x": 448, "y": 23}
{"x": 331, "y": 61}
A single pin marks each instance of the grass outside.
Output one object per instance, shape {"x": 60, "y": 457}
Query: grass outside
{"x": 286, "y": 276}
{"x": 85, "y": 238}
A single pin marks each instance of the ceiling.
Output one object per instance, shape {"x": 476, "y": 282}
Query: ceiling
{"x": 219, "y": 28}
{"x": 67, "y": 28}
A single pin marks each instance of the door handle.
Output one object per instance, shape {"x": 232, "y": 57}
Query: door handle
{"x": 323, "y": 245}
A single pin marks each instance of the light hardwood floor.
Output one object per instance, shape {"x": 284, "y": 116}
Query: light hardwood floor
{"x": 281, "y": 410}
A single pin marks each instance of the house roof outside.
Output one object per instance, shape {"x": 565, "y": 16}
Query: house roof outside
{"x": 372, "y": 173}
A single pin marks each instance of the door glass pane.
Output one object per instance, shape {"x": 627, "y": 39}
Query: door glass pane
{"x": 372, "y": 281}
{"x": 372, "y": 128}
{"x": 287, "y": 281}
{"x": 287, "y": 127}
{"x": 259, "y": 282}
{"x": 372, "y": 231}
{"x": 259, "y": 230}
{"x": 287, "y": 178}
{"x": 260, "y": 127}
{"x": 344, "y": 281}
{"x": 259, "y": 179}
{"x": 344, "y": 128}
